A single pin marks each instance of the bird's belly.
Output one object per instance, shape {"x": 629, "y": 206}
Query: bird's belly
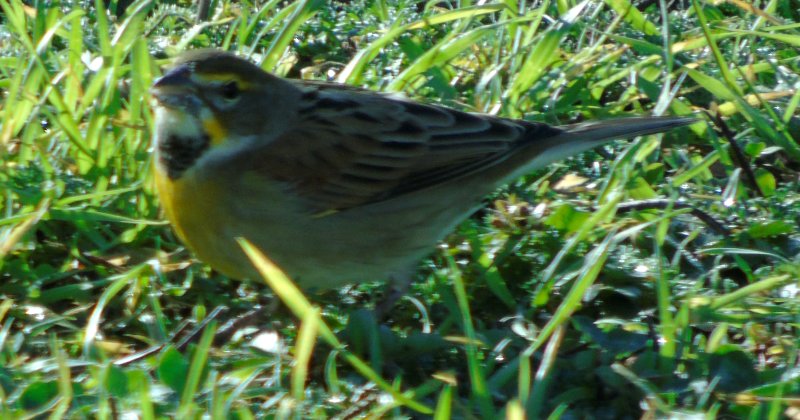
{"x": 367, "y": 243}
{"x": 342, "y": 248}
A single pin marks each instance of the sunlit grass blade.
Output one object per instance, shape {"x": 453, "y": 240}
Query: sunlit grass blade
{"x": 303, "y": 349}
{"x": 593, "y": 264}
{"x": 457, "y": 14}
{"x": 534, "y": 399}
{"x": 197, "y": 369}
{"x": 303, "y": 10}
{"x": 11, "y": 236}
{"x": 93, "y": 324}
{"x": 438, "y": 56}
{"x": 761, "y": 286}
{"x": 633, "y": 16}
{"x": 302, "y": 308}
{"x": 444, "y": 407}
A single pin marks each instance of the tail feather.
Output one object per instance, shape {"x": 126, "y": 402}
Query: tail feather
{"x": 599, "y": 131}
{"x": 577, "y": 138}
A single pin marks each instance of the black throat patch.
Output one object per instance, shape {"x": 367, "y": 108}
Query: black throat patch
{"x": 178, "y": 153}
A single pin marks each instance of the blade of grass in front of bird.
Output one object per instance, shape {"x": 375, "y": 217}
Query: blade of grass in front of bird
{"x": 304, "y": 347}
{"x": 283, "y": 287}
{"x": 294, "y": 299}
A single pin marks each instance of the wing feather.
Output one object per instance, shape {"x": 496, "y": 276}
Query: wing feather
{"x": 353, "y": 147}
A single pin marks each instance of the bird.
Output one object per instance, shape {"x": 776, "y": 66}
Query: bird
{"x": 335, "y": 184}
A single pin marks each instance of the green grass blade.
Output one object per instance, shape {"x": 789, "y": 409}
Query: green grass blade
{"x": 306, "y": 339}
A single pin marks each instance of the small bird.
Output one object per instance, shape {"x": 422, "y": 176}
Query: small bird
{"x": 335, "y": 184}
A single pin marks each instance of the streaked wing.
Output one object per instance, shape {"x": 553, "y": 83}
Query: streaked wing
{"x": 355, "y": 147}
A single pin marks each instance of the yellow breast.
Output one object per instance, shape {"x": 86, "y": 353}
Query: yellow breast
{"x": 201, "y": 218}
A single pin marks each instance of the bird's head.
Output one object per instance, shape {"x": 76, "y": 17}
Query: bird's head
{"x": 211, "y": 99}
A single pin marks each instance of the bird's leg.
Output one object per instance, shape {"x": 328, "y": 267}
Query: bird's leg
{"x": 395, "y": 289}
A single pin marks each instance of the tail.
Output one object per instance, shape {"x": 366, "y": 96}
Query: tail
{"x": 621, "y": 128}
{"x": 576, "y": 138}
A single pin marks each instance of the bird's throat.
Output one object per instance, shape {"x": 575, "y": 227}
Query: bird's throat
{"x": 180, "y": 140}
{"x": 177, "y": 153}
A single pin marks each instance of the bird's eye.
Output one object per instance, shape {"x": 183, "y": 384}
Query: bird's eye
{"x": 230, "y": 90}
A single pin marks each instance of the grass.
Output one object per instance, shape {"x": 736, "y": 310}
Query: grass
{"x": 652, "y": 278}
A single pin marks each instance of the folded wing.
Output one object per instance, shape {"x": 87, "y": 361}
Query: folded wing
{"x": 354, "y": 147}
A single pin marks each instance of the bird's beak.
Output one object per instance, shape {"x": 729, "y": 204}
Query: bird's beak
{"x": 175, "y": 89}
